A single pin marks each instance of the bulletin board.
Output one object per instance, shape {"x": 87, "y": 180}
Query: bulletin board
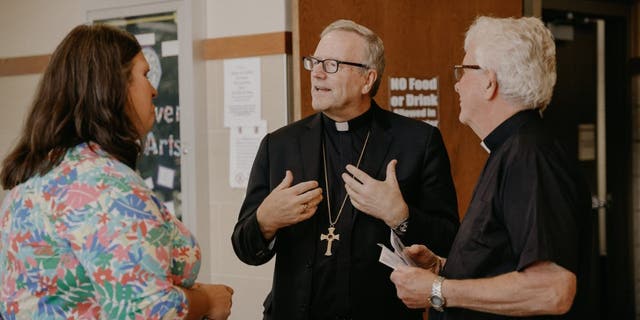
{"x": 167, "y": 155}
{"x": 159, "y": 164}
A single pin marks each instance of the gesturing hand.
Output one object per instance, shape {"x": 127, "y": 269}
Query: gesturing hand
{"x": 380, "y": 199}
{"x": 287, "y": 205}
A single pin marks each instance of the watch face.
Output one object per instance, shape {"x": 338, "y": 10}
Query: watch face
{"x": 436, "y": 301}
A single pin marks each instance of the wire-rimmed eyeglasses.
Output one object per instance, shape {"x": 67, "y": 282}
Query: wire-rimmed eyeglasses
{"x": 328, "y": 65}
{"x": 458, "y": 70}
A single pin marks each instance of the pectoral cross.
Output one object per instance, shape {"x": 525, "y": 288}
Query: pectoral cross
{"x": 329, "y": 237}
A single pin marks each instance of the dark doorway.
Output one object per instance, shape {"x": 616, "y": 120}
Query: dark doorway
{"x": 573, "y": 116}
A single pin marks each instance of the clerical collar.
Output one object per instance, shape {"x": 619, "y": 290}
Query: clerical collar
{"x": 361, "y": 121}
{"x": 507, "y": 128}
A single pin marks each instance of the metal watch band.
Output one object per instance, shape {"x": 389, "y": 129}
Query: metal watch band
{"x": 436, "y": 300}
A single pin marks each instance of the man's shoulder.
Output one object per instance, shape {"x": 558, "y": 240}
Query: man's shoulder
{"x": 294, "y": 129}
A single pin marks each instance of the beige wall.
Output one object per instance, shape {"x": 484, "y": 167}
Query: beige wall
{"x": 28, "y": 28}
{"x": 251, "y": 283}
{"x": 35, "y": 27}
{"x": 233, "y": 18}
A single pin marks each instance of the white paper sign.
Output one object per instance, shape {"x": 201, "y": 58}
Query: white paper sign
{"x": 242, "y": 90}
{"x": 170, "y": 48}
{"x": 149, "y": 182}
{"x": 146, "y": 39}
{"x": 243, "y": 146}
{"x": 165, "y": 177}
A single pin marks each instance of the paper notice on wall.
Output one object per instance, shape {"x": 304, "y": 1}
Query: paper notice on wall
{"x": 165, "y": 177}
{"x": 243, "y": 145}
{"x": 242, "y": 91}
{"x": 149, "y": 183}
{"x": 170, "y": 48}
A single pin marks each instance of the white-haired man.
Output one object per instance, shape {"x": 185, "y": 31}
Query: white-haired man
{"x": 523, "y": 246}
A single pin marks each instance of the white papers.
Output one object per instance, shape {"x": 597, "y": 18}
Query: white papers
{"x": 170, "y": 48}
{"x": 146, "y": 39}
{"x": 165, "y": 177}
{"x": 241, "y": 91}
{"x": 396, "y": 258}
{"x": 149, "y": 182}
{"x": 243, "y": 146}
{"x": 242, "y": 115}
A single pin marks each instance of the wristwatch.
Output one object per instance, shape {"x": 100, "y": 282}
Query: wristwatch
{"x": 401, "y": 229}
{"x": 436, "y": 299}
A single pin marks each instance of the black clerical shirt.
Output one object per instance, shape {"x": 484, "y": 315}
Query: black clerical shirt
{"x": 529, "y": 205}
{"x": 330, "y": 292}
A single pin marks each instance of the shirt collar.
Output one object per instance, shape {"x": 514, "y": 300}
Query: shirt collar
{"x": 355, "y": 124}
{"x": 501, "y": 133}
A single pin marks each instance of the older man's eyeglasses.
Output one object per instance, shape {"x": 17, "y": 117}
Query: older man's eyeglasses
{"x": 458, "y": 70}
{"x": 328, "y": 65}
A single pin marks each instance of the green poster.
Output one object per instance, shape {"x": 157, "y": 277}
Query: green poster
{"x": 159, "y": 164}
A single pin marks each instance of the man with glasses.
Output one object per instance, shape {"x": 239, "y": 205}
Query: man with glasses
{"x": 525, "y": 245}
{"x": 325, "y": 190}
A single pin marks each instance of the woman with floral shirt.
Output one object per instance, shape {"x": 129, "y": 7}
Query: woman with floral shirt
{"x": 81, "y": 236}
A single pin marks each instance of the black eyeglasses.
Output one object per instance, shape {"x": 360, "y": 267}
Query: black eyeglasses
{"x": 328, "y": 65}
{"x": 458, "y": 70}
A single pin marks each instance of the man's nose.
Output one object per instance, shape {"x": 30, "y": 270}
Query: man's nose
{"x": 318, "y": 71}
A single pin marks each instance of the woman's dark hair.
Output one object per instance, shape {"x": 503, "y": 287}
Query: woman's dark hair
{"x": 82, "y": 97}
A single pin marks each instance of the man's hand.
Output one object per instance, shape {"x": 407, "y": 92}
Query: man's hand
{"x": 413, "y": 285}
{"x": 424, "y": 258}
{"x": 287, "y": 205}
{"x": 380, "y": 199}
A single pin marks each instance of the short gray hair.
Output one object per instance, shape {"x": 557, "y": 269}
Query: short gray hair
{"x": 374, "y": 51}
{"x": 522, "y": 54}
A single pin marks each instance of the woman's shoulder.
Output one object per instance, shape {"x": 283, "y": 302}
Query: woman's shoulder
{"x": 89, "y": 181}
{"x": 90, "y": 161}
{"x": 88, "y": 171}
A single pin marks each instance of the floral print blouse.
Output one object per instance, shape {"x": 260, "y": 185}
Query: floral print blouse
{"x": 89, "y": 240}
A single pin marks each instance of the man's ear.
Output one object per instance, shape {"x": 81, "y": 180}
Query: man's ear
{"x": 491, "y": 85}
{"x": 372, "y": 75}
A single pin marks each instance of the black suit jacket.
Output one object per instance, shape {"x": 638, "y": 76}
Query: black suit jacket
{"x": 424, "y": 176}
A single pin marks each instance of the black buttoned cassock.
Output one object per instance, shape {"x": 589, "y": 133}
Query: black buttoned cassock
{"x": 424, "y": 176}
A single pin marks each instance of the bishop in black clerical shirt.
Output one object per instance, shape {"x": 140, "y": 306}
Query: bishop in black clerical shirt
{"x": 296, "y": 208}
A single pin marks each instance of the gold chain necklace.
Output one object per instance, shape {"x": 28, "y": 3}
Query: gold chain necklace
{"x": 330, "y": 236}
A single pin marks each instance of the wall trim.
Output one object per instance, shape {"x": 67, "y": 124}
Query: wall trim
{"x": 247, "y": 46}
{"x": 216, "y": 48}
{"x": 23, "y": 65}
